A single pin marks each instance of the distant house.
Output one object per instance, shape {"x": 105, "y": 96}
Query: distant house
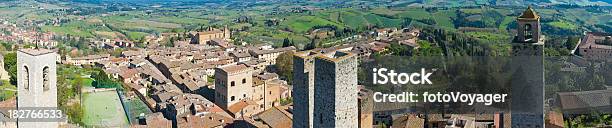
{"x": 270, "y": 55}
{"x": 585, "y": 101}
{"x": 87, "y": 60}
{"x": 210, "y": 34}
{"x": 595, "y": 46}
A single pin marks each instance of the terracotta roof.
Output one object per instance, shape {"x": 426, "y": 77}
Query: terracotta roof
{"x": 276, "y": 118}
{"x": 529, "y": 14}
{"x": 585, "y": 99}
{"x": 554, "y": 119}
{"x": 213, "y": 120}
{"x": 257, "y": 52}
{"x": 157, "y": 120}
{"x": 234, "y": 68}
{"x": 409, "y": 121}
{"x": 190, "y": 122}
{"x": 9, "y": 103}
{"x": 236, "y": 107}
{"x": 128, "y": 73}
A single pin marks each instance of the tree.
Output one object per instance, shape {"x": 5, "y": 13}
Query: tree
{"x": 286, "y": 42}
{"x": 102, "y": 80}
{"x": 312, "y": 44}
{"x": 284, "y": 63}
{"x": 10, "y": 64}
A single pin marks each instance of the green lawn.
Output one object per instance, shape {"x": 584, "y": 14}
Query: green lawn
{"x": 415, "y": 14}
{"x": 136, "y": 107}
{"x": 563, "y": 25}
{"x": 302, "y": 24}
{"x": 443, "y": 19}
{"x": 87, "y": 82}
{"x": 488, "y": 36}
{"x": 504, "y": 24}
{"x": 7, "y": 90}
{"x": 103, "y": 109}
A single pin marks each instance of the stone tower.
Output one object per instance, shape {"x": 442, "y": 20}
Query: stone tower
{"x": 232, "y": 84}
{"x": 303, "y": 89}
{"x": 529, "y": 41}
{"x": 335, "y": 89}
{"x": 3, "y": 73}
{"x": 36, "y": 83}
{"x": 227, "y": 34}
{"x": 528, "y": 72}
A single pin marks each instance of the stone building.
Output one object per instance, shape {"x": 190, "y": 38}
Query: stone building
{"x": 325, "y": 90}
{"x": 528, "y": 72}
{"x": 3, "y": 73}
{"x": 366, "y": 108}
{"x": 303, "y": 89}
{"x": 212, "y": 33}
{"x": 270, "y": 55}
{"x": 87, "y": 60}
{"x": 595, "y": 46}
{"x": 232, "y": 84}
{"x": 529, "y": 40}
{"x": 335, "y": 89}
{"x": 36, "y": 83}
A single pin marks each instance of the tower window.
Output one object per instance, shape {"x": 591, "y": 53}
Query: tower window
{"x": 46, "y": 78}
{"x": 528, "y": 32}
{"x": 232, "y": 98}
{"x": 233, "y": 83}
{"x": 26, "y": 78}
{"x": 244, "y": 81}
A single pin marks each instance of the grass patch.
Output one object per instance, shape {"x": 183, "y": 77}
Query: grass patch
{"x": 443, "y": 19}
{"x": 488, "y": 36}
{"x": 418, "y": 14}
{"x": 563, "y": 25}
{"x": 136, "y": 107}
{"x": 504, "y": 24}
{"x": 302, "y": 24}
{"x": 103, "y": 109}
{"x": 7, "y": 90}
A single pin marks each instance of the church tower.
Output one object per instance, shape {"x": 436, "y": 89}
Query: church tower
{"x": 227, "y": 34}
{"x": 528, "y": 72}
{"x": 36, "y": 84}
{"x": 529, "y": 40}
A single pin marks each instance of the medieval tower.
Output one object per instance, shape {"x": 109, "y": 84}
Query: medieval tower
{"x": 529, "y": 40}
{"x": 303, "y": 89}
{"x": 335, "y": 90}
{"x": 528, "y": 67}
{"x": 325, "y": 90}
{"x": 36, "y": 83}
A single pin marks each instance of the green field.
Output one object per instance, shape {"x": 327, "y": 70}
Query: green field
{"x": 302, "y": 24}
{"x": 504, "y": 24}
{"x": 563, "y": 25}
{"x": 415, "y": 14}
{"x": 87, "y": 82}
{"x": 443, "y": 19}
{"x": 7, "y": 90}
{"x": 103, "y": 109}
{"x": 136, "y": 107}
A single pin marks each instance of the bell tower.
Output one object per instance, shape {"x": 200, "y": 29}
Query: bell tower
{"x": 528, "y": 72}
{"x": 529, "y": 26}
{"x": 36, "y": 84}
{"x": 529, "y": 40}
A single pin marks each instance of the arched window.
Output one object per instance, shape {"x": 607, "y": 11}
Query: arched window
{"x": 244, "y": 81}
{"x": 528, "y": 32}
{"x": 232, "y": 98}
{"x": 233, "y": 83}
{"x": 26, "y": 78}
{"x": 46, "y": 78}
